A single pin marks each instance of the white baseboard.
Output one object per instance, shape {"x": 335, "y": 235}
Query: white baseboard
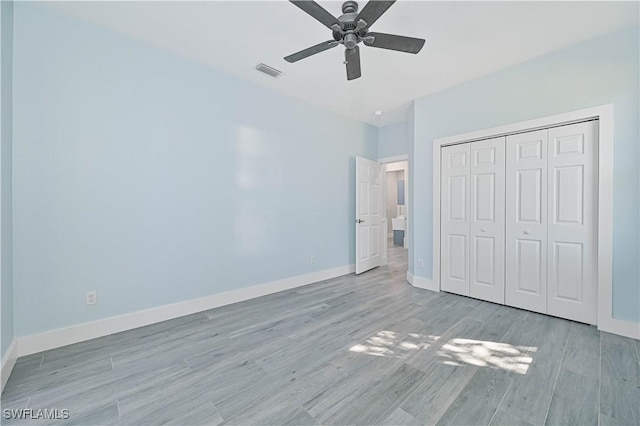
{"x": 35, "y": 343}
{"x": 420, "y": 282}
{"x": 621, "y": 327}
{"x": 409, "y": 277}
{"x": 8, "y": 361}
{"x": 424, "y": 283}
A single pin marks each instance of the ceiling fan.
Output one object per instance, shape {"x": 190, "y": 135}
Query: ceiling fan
{"x": 352, "y": 28}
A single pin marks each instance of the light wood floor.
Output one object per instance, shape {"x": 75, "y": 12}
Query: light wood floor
{"x": 366, "y": 349}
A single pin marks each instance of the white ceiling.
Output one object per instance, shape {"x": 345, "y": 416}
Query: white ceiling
{"x": 465, "y": 40}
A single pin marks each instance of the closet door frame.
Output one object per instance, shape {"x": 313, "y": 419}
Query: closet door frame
{"x": 605, "y": 115}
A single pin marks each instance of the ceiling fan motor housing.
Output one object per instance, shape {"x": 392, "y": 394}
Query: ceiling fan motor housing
{"x": 349, "y": 37}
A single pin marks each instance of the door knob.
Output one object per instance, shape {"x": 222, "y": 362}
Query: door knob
{"x": 359, "y": 221}
{"x": 527, "y": 232}
{"x": 484, "y": 229}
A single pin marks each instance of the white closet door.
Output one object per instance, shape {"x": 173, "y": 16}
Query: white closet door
{"x": 572, "y": 213}
{"x": 526, "y": 221}
{"x": 454, "y": 242}
{"x": 486, "y": 227}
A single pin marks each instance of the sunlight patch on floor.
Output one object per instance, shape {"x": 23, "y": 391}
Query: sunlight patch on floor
{"x": 388, "y": 343}
{"x": 456, "y": 352}
{"x": 503, "y": 356}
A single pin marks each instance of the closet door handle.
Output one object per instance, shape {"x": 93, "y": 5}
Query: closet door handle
{"x": 527, "y": 232}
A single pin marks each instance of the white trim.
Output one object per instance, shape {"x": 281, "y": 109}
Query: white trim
{"x": 604, "y": 113}
{"x": 621, "y": 327}
{"x": 420, "y": 282}
{"x": 35, "y": 343}
{"x": 605, "y": 224}
{"x": 8, "y": 361}
{"x": 530, "y": 125}
{"x": 385, "y": 219}
{"x": 394, "y": 159}
{"x": 424, "y": 283}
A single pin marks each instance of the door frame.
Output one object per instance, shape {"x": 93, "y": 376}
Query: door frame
{"x": 407, "y": 185}
{"x": 604, "y": 113}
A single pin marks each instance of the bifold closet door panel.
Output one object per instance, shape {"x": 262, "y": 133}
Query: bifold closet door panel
{"x": 454, "y": 222}
{"x": 486, "y": 227}
{"x": 526, "y": 221}
{"x": 573, "y": 222}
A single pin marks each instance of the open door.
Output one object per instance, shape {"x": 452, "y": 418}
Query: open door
{"x": 371, "y": 215}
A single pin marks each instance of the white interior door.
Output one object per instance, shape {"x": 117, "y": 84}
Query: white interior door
{"x": 572, "y": 214}
{"x": 371, "y": 223}
{"x": 454, "y": 233}
{"x": 486, "y": 227}
{"x": 526, "y": 221}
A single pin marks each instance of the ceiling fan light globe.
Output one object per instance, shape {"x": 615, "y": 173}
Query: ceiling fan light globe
{"x": 350, "y": 40}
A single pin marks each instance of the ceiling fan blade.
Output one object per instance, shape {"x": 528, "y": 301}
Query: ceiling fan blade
{"x": 373, "y": 10}
{"x": 311, "y": 51}
{"x": 317, "y": 12}
{"x": 395, "y": 42}
{"x": 352, "y": 59}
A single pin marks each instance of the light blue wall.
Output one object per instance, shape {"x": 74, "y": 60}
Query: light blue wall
{"x": 6, "y": 125}
{"x": 393, "y": 140}
{"x": 601, "y": 71}
{"x": 154, "y": 180}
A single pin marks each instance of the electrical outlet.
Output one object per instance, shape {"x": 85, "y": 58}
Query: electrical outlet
{"x": 420, "y": 263}
{"x": 92, "y": 297}
{"x": 313, "y": 260}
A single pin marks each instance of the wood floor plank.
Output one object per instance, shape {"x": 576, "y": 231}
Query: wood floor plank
{"x": 234, "y": 395}
{"x": 292, "y": 415}
{"x": 291, "y": 396}
{"x": 619, "y": 404}
{"x": 502, "y": 418}
{"x": 356, "y": 371}
{"x": 374, "y": 404}
{"x": 44, "y": 379}
{"x": 574, "y": 400}
{"x": 485, "y": 311}
{"x": 619, "y": 366}
{"x": 400, "y": 417}
{"x": 582, "y": 354}
{"x": 479, "y": 400}
{"x": 105, "y": 415}
{"x": 530, "y": 394}
{"x": 441, "y": 386}
{"x": 85, "y": 394}
{"x": 204, "y": 414}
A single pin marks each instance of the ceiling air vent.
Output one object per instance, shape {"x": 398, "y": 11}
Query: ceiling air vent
{"x": 268, "y": 70}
